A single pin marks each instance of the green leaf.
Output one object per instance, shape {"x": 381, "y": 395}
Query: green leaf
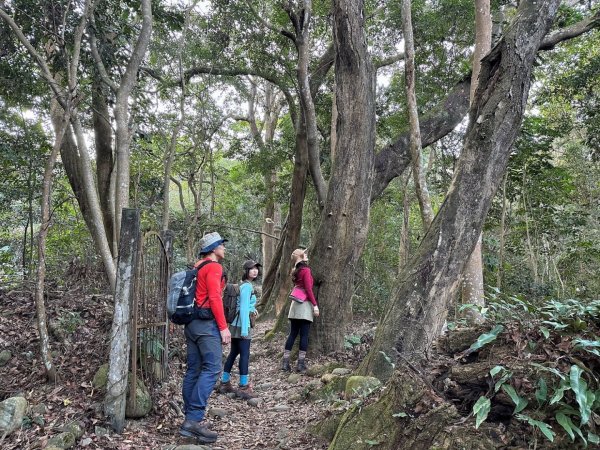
{"x": 549, "y": 369}
{"x": 486, "y": 338}
{"x": 542, "y": 426}
{"x": 545, "y": 331}
{"x": 481, "y": 409}
{"x": 560, "y": 392}
{"x": 593, "y": 438}
{"x": 496, "y": 370}
{"x": 520, "y": 402}
{"x": 507, "y": 374}
{"x": 565, "y": 422}
{"x": 541, "y": 393}
{"x": 400, "y": 414}
{"x": 582, "y": 395}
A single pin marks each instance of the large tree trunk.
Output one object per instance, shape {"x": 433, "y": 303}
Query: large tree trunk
{"x": 472, "y": 286}
{"x": 418, "y": 308}
{"x": 345, "y": 218}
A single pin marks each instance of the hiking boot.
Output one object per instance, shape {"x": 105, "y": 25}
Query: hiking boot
{"x": 226, "y": 388}
{"x": 285, "y": 365}
{"x": 301, "y": 367}
{"x": 246, "y": 392}
{"x": 199, "y": 431}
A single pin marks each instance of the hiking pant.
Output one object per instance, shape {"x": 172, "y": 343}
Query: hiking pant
{"x": 239, "y": 347}
{"x": 298, "y": 326}
{"x": 204, "y": 352}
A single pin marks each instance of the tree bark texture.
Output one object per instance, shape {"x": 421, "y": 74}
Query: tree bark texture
{"x": 472, "y": 285}
{"x": 123, "y": 135}
{"x": 418, "y": 307}
{"x": 344, "y": 221}
{"x": 120, "y": 339}
{"x": 420, "y": 181}
{"x": 104, "y": 160}
{"x": 40, "y": 307}
{"x": 277, "y": 283}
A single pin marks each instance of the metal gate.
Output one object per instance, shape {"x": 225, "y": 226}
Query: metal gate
{"x": 150, "y": 325}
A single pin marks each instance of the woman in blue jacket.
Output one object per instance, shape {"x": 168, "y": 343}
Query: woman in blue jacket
{"x": 241, "y": 334}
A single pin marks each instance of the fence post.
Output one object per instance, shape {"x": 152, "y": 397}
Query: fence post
{"x": 120, "y": 341}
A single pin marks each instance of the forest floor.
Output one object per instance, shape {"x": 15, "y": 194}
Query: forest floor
{"x": 79, "y": 331}
{"x": 529, "y": 358}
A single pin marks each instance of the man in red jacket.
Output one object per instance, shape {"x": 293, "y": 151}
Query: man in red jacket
{"x": 204, "y": 337}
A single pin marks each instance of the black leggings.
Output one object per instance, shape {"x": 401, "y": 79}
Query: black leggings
{"x": 239, "y": 347}
{"x": 298, "y": 326}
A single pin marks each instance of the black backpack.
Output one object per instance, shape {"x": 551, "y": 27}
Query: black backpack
{"x": 231, "y": 294}
{"x": 181, "y": 307}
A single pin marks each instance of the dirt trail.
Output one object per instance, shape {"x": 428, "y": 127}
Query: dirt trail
{"x": 278, "y": 421}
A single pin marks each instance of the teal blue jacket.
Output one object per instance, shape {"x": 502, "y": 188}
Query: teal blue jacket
{"x": 246, "y": 305}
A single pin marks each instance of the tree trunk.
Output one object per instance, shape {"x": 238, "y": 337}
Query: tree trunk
{"x": 120, "y": 339}
{"x": 104, "y": 160}
{"x": 418, "y": 308}
{"x": 40, "y": 307}
{"x": 121, "y": 110}
{"x": 415, "y": 132}
{"x": 277, "y": 283}
{"x": 472, "y": 285}
{"x": 344, "y": 221}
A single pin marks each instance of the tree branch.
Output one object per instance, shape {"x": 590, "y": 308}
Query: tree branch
{"x": 573, "y": 31}
{"x": 267, "y": 25}
{"x": 388, "y": 61}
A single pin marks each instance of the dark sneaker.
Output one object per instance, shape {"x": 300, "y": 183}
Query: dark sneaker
{"x": 285, "y": 365}
{"x": 199, "y": 431}
{"x": 246, "y": 392}
{"x": 226, "y": 388}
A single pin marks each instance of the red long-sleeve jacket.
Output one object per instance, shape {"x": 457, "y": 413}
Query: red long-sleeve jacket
{"x": 209, "y": 285}
{"x": 305, "y": 280}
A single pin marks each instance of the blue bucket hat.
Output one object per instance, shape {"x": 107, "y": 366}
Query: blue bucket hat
{"x": 210, "y": 241}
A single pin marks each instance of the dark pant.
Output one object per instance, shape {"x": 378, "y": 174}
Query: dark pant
{"x": 298, "y": 326}
{"x": 239, "y": 347}
{"x": 204, "y": 353}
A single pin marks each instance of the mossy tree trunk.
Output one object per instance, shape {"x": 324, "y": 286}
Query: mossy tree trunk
{"x": 418, "y": 307}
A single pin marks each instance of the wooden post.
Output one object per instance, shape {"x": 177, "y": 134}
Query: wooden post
{"x": 120, "y": 341}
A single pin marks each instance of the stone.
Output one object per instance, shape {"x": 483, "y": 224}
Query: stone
{"x": 341, "y": 371}
{"x": 328, "y": 378}
{"x": 85, "y": 442}
{"x": 280, "y": 408}
{"x": 39, "y": 409}
{"x": 12, "y": 411}
{"x": 294, "y": 378}
{"x": 254, "y": 402}
{"x": 101, "y": 377}
{"x": 101, "y": 431}
{"x": 189, "y": 447}
{"x": 217, "y": 412}
{"x": 75, "y": 428}
{"x": 264, "y": 387}
{"x": 5, "y": 356}
{"x": 359, "y": 386}
{"x": 143, "y": 402}
{"x": 64, "y": 440}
